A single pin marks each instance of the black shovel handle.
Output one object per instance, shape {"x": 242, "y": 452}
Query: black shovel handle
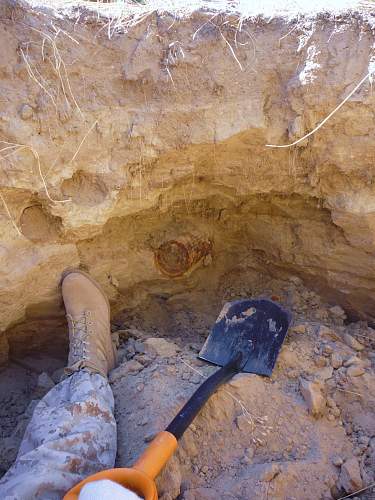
{"x": 185, "y": 417}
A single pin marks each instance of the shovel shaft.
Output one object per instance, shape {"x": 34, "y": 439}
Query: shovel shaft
{"x": 185, "y": 417}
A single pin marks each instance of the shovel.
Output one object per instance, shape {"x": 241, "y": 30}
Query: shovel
{"x": 247, "y": 336}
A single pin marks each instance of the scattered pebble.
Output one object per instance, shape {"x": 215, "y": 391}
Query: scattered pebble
{"x": 26, "y": 112}
{"x": 355, "y": 371}
{"x": 353, "y": 343}
{"x": 311, "y": 391}
{"x": 337, "y": 461}
{"x": 336, "y": 360}
{"x": 350, "y": 476}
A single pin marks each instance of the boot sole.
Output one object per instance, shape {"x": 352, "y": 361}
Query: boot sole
{"x": 73, "y": 270}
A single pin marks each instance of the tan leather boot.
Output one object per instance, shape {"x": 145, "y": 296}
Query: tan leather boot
{"x": 88, "y": 313}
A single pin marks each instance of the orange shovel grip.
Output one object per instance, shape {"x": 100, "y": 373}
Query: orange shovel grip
{"x": 140, "y": 478}
{"x": 157, "y": 454}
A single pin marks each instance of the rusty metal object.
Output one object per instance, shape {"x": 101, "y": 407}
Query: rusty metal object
{"x": 174, "y": 258}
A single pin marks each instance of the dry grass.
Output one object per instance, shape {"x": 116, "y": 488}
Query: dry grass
{"x": 121, "y": 15}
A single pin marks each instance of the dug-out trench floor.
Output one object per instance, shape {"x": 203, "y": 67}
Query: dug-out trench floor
{"x": 306, "y": 433}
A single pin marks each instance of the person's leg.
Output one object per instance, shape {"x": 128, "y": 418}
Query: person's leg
{"x": 71, "y": 435}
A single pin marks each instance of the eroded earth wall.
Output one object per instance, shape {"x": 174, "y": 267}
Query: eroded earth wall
{"x": 143, "y": 158}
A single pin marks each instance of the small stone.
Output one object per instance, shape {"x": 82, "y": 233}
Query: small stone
{"x": 355, "y": 371}
{"x": 336, "y": 411}
{"x": 337, "y": 312}
{"x": 311, "y": 391}
{"x": 327, "y": 350}
{"x": 353, "y": 360}
{"x": 204, "y": 469}
{"x": 320, "y": 361}
{"x": 337, "y": 461}
{"x": 327, "y": 333}
{"x": 301, "y": 328}
{"x": 364, "y": 440}
{"x": 271, "y": 473}
{"x": 139, "y": 347}
{"x": 26, "y": 112}
{"x": 325, "y": 373}
{"x": 196, "y": 379}
{"x": 350, "y": 476}
{"x": 336, "y": 360}
{"x": 353, "y": 343}
{"x": 160, "y": 347}
{"x": 133, "y": 366}
{"x": 243, "y": 423}
{"x": 45, "y": 382}
{"x": 140, "y": 387}
{"x": 143, "y": 359}
{"x": 331, "y": 402}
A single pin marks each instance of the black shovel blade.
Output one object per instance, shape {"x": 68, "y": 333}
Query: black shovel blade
{"x": 259, "y": 324}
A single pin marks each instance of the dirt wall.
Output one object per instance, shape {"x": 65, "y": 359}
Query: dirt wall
{"x": 143, "y": 158}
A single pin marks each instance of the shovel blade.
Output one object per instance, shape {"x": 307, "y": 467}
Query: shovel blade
{"x": 260, "y": 325}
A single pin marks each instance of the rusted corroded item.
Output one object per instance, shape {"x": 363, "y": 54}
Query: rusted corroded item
{"x": 174, "y": 258}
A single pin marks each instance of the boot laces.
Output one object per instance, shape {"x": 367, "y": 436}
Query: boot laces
{"x": 81, "y": 331}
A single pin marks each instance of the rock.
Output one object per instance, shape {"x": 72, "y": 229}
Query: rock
{"x": 365, "y": 440}
{"x": 133, "y": 366}
{"x": 160, "y": 347}
{"x": 327, "y": 333}
{"x": 26, "y": 112}
{"x": 143, "y": 359}
{"x": 353, "y": 343}
{"x": 352, "y": 361}
{"x": 355, "y": 371}
{"x": 331, "y": 402}
{"x": 350, "y": 476}
{"x": 300, "y": 329}
{"x": 45, "y": 383}
{"x": 320, "y": 361}
{"x": 337, "y": 461}
{"x": 337, "y": 312}
{"x": 128, "y": 367}
{"x": 336, "y": 412}
{"x": 311, "y": 391}
{"x": 325, "y": 373}
{"x": 242, "y": 423}
{"x": 336, "y": 360}
{"x": 327, "y": 350}
{"x": 271, "y": 473}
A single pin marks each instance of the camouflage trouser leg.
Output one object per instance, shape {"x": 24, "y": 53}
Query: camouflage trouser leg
{"x": 71, "y": 435}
